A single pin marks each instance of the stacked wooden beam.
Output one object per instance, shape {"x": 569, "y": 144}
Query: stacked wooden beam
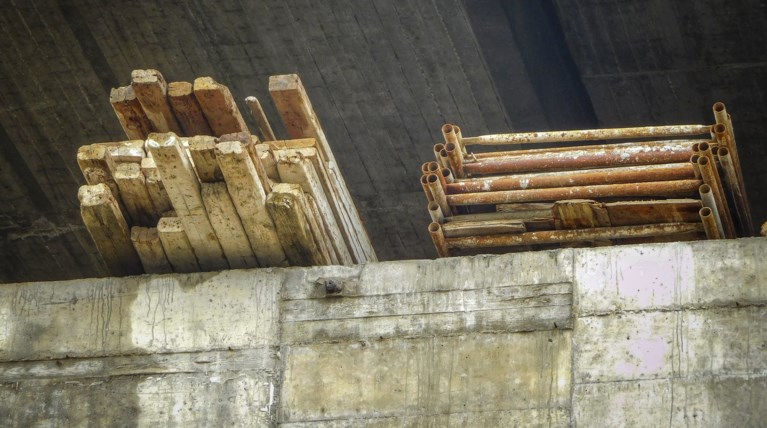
{"x": 193, "y": 190}
{"x": 671, "y": 183}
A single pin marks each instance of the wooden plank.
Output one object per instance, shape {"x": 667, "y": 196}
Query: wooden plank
{"x": 288, "y": 208}
{"x": 295, "y": 166}
{"x": 320, "y": 232}
{"x": 264, "y": 153}
{"x": 580, "y": 214}
{"x": 109, "y": 230}
{"x": 146, "y": 241}
{"x": 151, "y": 91}
{"x": 630, "y": 213}
{"x": 183, "y": 189}
{"x": 229, "y": 230}
{"x": 122, "y": 152}
{"x": 301, "y": 121}
{"x": 129, "y": 112}
{"x": 187, "y": 110}
{"x": 330, "y": 186}
{"x": 531, "y": 210}
{"x": 202, "y": 149}
{"x": 247, "y": 142}
{"x": 92, "y": 160}
{"x": 458, "y": 229}
{"x": 176, "y": 244}
{"x": 157, "y": 192}
{"x": 249, "y": 198}
{"x": 135, "y": 195}
{"x": 219, "y": 107}
{"x": 258, "y": 114}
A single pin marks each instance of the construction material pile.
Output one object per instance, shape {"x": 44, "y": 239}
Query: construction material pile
{"x": 193, "y": 190}
{"x": 672, "y": 183}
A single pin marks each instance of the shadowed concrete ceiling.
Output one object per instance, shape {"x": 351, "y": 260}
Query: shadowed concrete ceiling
{"x": 383, "y": 76}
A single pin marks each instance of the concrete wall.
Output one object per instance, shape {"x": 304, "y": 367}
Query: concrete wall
{"x": 669, "y": 334}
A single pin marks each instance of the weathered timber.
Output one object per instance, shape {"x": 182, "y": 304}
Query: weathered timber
{"x": 135, "y": 195}
{"x": 258, "y": 114}
{"x": 288, "y": 208}
{"x": 146, "y": 241}
{"x": 320, "y": 232}
{"x": 109, "y": 230}
{"x": 631, "y": 213}
{"x": 129, "y": 112}
{"x": 457, "y": 229}
{"x": 249, "y": 198}
{"x": 229, "y": 230}
{"x": 183, "y": 189}
{"x": 580, "y": 214}
{"x": 202, "y": 149}
{"x": 219, "y": 107}
{"x": 264, "y": 153}
{"x": 187, "y": 110}
{"x": 175, "y": 242}
{"x": 295, "y": 166}
{"x": 576, "y": 235}
{"x": 295, "y": 109}
{"x": 529, "y": 210}
{"x": 125, "y": 151}
{"x": 677, "y": 188}
{"x": 247, "y": 142}
{"x": 151, "y": 90}
{"x": 155, "y": 188}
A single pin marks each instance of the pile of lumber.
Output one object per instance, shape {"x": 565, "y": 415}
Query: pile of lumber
{"x": 671, "y": 183}
{"x": 193, "y": 190}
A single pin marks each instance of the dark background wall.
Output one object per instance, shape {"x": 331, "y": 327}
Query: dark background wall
{"x": 383, "y": 76}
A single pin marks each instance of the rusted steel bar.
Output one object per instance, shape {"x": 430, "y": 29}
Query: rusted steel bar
{"x": 435, "y": 212}
{"x": 629, "y": 174}
{"x": 670, "y": 189}
{"x": 438, "y": 192}
{"x": 443, "y": 159}
{"x": 711, "y": 177}
{"x": 425, "y": 167}
{"x": 455, "y": 158}
{"x": 671, "y": 152}
{"x": 437, "y": 149}
{"x": 724, "y": 133}
{"x": 541, "y": 214}
{"x": 425, "y": 185}
{"x": 694, "y": 162}
{"x": 448, "y": 175}
{"x": 704, "y": 149}
{"x": 709, "y": 223}
{"x": 587, "y": 148}
{"x": 732, "y": 184}
{"x": 459, "y": 137}
{"x": 574, "y": 235}
{"x": 707, "y": 198}
{"x": 438, "y": 236}
{"x": 588, "y": 135}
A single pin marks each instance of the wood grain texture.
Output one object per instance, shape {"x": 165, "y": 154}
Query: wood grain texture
{"x": 219, "y": 107}
{"x": 135, "y": 195}
{"x": 108, "y": 229}
{"x": 152, "y": 92}
{"x": 288, "y": 207}
{"x": 146, "y": 241}
{"x": 178, "y": 248}
{"x": 229, "y": 230}
{"x": 183, "y": 189}
{"x": 129, "y": 112}
{"x": 187, "y": 110}
{"x": 202, "y": 148}
{"x": 249, "y": 198}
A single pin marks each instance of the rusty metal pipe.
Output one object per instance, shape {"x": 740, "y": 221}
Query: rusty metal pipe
{"x": 574, "y": 235}
{"x": 588, "y": 135}
{"x": 438, "y": 237}
{"x": 732, "y": 184}
{"x": 711, "y": 177}
{"x": 448, "y": 175}
{"x": 438, "y": 192}
{"x": 437, "y": 149}
{"x": 694, "y": 161}
{"x": 670, "y": 189}
{"x": 436, "y": 212}
{"x": 425, "y": 167}
{"x": 709, "y": 223}
{"x": 443, "y": 159}
{"x": 630, "y": 174}
{"x": 455, "y": 158}
{"x": 672, "y": 152}
{"x": 707, "y": 198}
{"x": 587, "y": 148}
{"x": 425, "y": 185}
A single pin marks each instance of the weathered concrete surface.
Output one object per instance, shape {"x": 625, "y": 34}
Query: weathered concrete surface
{"x": 669, "y": 334}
